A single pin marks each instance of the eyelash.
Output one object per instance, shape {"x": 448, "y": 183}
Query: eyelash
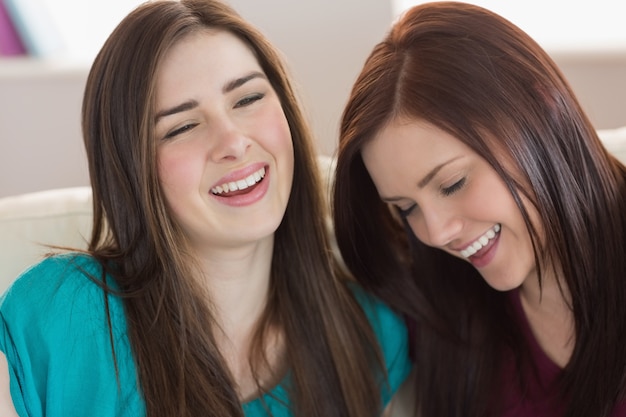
{"x": 180, "y": 130}
{"x": 246, "y": 101}
{"x": 448, "y": 191}
{"x": 405, "y": 212}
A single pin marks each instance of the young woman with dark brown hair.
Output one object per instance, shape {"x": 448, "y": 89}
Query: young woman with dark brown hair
{"x": 473, "y": 194}
{"x": 208, "y": 287}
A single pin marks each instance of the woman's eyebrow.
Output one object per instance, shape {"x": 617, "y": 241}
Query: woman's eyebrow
{"x": 428, "y": 177}
{"x": 191, "y": 104}
{"x": 421, "y": 183}
{"x": 231, "y": 85}
{"x": 187, "y": 105}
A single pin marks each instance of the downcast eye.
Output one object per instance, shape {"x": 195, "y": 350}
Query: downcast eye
{"x": 407, "y": 211}
{"x": 447, "y": 191}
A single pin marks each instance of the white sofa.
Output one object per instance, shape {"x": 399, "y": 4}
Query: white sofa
{"x": 62, "y": 217}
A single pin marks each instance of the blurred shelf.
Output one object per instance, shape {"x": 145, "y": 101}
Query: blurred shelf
{"x": 28, "y": 68}
{"x": 608, "y": 52}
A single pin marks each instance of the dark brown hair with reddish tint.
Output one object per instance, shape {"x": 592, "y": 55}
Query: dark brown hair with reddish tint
{"x": 478, "y": 77}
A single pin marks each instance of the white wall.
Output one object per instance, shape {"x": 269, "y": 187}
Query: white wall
{"x": 325, "y": 43}
{"x": 598, "y": 78}
{"x": 40, "y": 140}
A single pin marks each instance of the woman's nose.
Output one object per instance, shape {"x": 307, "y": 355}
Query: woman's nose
{"x": 229, "y": 143}
{"x": 437, "y": 227}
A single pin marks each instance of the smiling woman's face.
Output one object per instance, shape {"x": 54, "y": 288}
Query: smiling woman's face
{"x": 225, "y": 155}
{"x": 452, "y": 199}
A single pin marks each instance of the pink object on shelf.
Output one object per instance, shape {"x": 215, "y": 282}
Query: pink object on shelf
{"x": 10, "y": 42}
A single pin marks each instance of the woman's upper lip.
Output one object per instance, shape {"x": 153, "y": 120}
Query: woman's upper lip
{"x": 459, "y": 248}
{"x": 240, "y": 174}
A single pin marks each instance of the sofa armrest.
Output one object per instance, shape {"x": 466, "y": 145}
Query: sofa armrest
{"x": 29, "y": 223}
{"x": 615, "y": 142}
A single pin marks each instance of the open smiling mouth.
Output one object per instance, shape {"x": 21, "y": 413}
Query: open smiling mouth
{"x": 242, "y": 186}
{"x": 482, "y": 242}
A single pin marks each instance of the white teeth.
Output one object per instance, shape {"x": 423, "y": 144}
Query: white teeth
{"x": 480, "y": 242}
{"x": 242, "y": 184}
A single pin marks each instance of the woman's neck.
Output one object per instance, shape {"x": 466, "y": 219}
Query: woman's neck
{"x": 238, "y": 281}
{"x": 547, "y": 308}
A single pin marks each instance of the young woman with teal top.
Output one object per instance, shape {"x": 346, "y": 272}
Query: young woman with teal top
{"x": 208, "y": 286}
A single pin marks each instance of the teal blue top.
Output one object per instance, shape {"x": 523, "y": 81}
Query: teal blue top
{"x": 54, "y": 332}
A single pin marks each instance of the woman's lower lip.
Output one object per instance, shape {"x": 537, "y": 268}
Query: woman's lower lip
{"x": 485, "y": 255}
{"x": 256, "y": 193}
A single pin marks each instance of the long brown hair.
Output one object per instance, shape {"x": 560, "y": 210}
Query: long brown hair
{"x": 478, "y": 77}
{"x": 330, "y": 354}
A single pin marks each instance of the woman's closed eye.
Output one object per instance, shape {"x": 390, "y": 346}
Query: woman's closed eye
{"x": 405, "y": 212}
{"x": 180, "y": 130}
{"x": 448, "y": 191}
{"x": 248, "y": 100}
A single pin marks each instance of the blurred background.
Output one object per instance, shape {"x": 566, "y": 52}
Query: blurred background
{"x": 324, "y": 43}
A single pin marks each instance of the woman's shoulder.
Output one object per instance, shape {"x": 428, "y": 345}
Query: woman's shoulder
{"x": 392, "y": 335}
{"x": 58, "y": 285}
{"x": 382, "y": 317}
{"x": 65, "y": 340}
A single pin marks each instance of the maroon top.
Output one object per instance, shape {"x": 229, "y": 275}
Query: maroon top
{"x": 539, "y": 397}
